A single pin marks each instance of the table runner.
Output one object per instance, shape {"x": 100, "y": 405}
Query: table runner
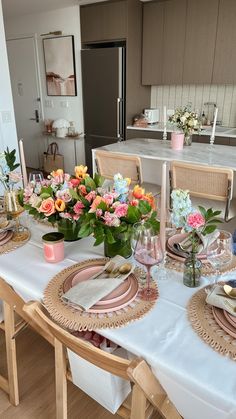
{"x": 200, "y": 382}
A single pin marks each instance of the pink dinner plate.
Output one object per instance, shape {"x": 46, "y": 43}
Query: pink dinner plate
{"x": 178, "y": 238}
{"x": 118, "y": 298}
{"x": 6, "y": 238}
{"x": 222, "y": 321}
{"x": 230, "y": 318}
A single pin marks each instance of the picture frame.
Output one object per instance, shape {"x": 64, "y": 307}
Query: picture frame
{"x": 59, "y": 58}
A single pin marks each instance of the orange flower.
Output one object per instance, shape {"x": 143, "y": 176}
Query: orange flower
{"x": 150, "y": 199}
{"x": 57, "y": 172}
{"x": 60, "y": 205}
{"x": 83, "y": 189}
{"x": 138, "y": 192}
{"x": 95, "y": 203}
{"x": 81, "y": 171}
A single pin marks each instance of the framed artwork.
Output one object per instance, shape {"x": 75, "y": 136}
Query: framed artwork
{"x": 59, "y": 58}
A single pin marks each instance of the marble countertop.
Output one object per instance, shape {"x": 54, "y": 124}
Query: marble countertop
{"x": 221, "y": 131}
{"x": 215, "y": 155}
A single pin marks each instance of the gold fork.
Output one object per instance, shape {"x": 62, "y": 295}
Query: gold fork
{"x": 105, "y": 271}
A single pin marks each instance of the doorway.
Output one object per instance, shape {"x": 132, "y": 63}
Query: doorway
{"x": 24, "y": 74}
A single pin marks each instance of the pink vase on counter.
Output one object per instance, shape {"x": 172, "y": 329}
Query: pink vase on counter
{"x": 177, "y": 140}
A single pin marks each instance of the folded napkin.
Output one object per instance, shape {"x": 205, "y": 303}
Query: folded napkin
{"x": 217, "y": 298}
{"x": 85, "y": 294}
{"x": 204, "y": 241}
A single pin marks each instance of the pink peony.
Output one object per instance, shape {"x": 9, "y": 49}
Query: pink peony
{"x": 47, "y": 207}
{"x": 90, "y": 196}
{"x": 121, "y": 210}
{"x": 111, "y": 219}
{"x": 195, "y": 220}
{"x": 78, "y": 208}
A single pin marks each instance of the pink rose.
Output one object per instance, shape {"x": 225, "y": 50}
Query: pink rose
{"x": 195, "y": 220}
{"x": 78, "y": 208}
{"x": 109, "y": 198}
{"x": 47, "y": 207}
{"x": 90, "y": 196}
{"x": 75, "y": 182}
{"x": 121, "y": 210}
{"x": 111, "y": 219}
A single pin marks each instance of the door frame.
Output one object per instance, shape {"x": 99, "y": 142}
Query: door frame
{"x": 37, "y": 65}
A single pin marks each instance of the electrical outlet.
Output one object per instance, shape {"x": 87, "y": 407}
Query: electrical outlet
{"x": 49, "y": 103}
{"x": 6, "y": 117}
{"x": 64, "y": 104}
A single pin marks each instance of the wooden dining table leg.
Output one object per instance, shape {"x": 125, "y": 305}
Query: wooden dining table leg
{"x": 61, "y": 381}
{"x": 11, "y": 354}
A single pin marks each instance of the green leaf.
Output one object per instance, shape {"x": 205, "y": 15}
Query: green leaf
{"x": 209, "y": 229}
{"x": 74, "y": 194}
{"x": 98, "y": 179}
{"x": 133, "y": 215}
{"x": 85, "y": 230}
{"x": 144, "y": 207}
{"x": 89, "y": 182}
{"x": 202, "y": 211}
{"x": 45, "y": 195}
{"x": 109, "y": 236}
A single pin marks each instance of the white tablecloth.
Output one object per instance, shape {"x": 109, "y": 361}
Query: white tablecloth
{"x": 200, "y": 382}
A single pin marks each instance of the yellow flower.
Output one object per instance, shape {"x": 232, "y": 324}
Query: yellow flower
{"x": 128, "y": 180}
{"x": 57, "y": 172}
{"x": 81, "y": 171}
{"x": 60, "y": 205}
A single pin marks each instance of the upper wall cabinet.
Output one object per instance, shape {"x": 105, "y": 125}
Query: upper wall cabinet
{"x": 224, "y": 71}
{"x": 103, "y": 21}
{"x": 201, "y": 26}
{"x": 163, "y": 42}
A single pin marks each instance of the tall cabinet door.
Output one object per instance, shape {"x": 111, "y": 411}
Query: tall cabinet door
{"x": 153, "y": 25}
{"x": 174, "y": 38}
{"x": 225, "y": 56}
{"x": 200, "y": 41}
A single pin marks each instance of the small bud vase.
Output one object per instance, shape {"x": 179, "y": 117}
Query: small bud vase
{"x": 192, "y": 271}
{"x": 187, "y": 139}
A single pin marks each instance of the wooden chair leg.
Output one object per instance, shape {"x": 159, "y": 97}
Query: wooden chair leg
{"x": 61, "y": 381}
{"x": 11, "y": 353}
{"x": 139, "y": 401}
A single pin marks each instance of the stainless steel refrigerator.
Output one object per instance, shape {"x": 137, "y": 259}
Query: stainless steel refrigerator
{"x": 103, "y": 81}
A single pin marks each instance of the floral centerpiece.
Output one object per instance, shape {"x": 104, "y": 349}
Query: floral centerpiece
{"x": 187, "y": 121}
{"x": 80, "y": 206}
{"x": 198, "y": 223}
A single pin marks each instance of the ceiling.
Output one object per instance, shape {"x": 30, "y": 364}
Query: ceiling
{"x": 13, "y": 8}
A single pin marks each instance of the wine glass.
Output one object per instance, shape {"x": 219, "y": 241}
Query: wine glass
{"x": 13, "y": 209}
{"x": 36, "y": 177}
{"x": 220, "y": 252}
{"x": 148, "y": 252}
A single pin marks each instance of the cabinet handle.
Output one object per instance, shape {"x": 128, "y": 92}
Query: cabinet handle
{"x": 118, "y": 118}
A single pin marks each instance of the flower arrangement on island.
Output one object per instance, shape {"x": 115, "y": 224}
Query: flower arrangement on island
{"x": 197, "y": 222}
{"x": 81, "y": 202}
{"x": 186, "y": 120}
{"x": 8, "y": 177}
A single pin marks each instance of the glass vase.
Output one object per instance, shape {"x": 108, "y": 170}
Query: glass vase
{"x": 69, "y": 228}
{"x": 187, "y": 139}
{"x": 120, "y": 247}
{"x": 192, "y": 271}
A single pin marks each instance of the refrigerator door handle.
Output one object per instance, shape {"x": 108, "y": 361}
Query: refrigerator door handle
{"x": 118, "y": 118}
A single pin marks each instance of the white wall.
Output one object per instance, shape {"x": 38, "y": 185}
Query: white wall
{"x": 174, "y": 96}
{"x": 8, "y": 135}
{"x": 68, "y": 21}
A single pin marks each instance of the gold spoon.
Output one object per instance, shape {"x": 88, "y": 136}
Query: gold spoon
{"x": 230, "y": 291}
{"x": 123, "y": 269}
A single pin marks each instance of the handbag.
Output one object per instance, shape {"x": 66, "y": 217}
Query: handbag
{"x": 52, "y": 160}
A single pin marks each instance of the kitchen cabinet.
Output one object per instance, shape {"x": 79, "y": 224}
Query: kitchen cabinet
{"x": 103, "y": 21}
{"x": 225, "y": 52}
{"x": 218, "y": 140}
{"x": 163, "y": 53}
{"x": 173, "y": 41}
{"x": 152, "y": 53}
{"x": 201, "y": 26}
{"x": 137, "y": 133}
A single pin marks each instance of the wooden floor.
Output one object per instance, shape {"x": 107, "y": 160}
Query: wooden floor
{"x": 37, "y": 386}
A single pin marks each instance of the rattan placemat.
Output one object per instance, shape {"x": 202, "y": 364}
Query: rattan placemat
{"x": 207, "y": 269}
{"x": 202, "y": 320}
{"x": 73, "y": 319}
{"x": 15, "y": 242}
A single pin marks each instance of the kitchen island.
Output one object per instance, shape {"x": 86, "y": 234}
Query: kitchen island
{"x": 153, "y": 151}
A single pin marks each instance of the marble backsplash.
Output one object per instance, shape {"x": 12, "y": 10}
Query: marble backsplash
{"x": 174, "y": 96}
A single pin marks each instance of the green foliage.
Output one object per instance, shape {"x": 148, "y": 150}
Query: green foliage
{"x": 10, "y": 157}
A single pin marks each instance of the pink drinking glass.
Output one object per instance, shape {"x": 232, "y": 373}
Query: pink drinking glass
{"x": 148, "y": 252}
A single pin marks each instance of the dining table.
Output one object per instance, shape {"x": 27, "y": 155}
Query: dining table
{"x": 198, "y": 380}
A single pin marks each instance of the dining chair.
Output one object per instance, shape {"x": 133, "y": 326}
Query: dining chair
{"x": 108, "y": 164}
{"x": 14, "y": 321}
{"x": 146, "y": 390}
{"x": 206, "y": 182}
